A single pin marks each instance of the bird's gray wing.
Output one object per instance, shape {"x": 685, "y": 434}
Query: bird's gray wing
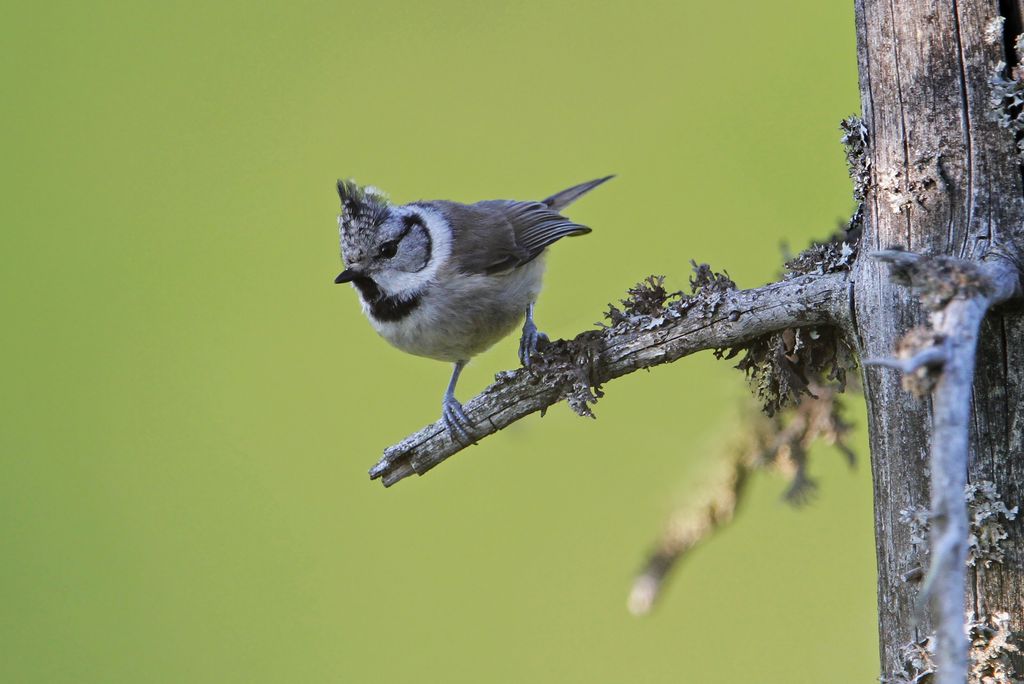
{"x": 483, "y": 241}
{"x": 534, "y": 226}
{"x": 537, "y": 225}
{"x": 499, "y": 235}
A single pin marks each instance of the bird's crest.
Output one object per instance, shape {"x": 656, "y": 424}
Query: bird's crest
{"x": 361, "y": 206}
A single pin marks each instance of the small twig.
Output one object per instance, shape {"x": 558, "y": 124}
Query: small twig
{"x": 896, "y": 257}
{"x": 932, "y": 357}
{"x": 734, "y": 318}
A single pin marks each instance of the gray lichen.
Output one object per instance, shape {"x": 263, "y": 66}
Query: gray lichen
{"x": 918, "y": 663}
{"x": 569, "y": 365}
{"x": 780, "y": 367}
{"x": 994, "y": 30}
{"x": 648, "y": 298}
{"x": 987, "y": 515}
{"x": 709, "y": 289}
{"x": 648, "y": 304}
{"x": 1006, "y": 101}
{"x": 992, "y": 643}
{"x": 858, "y": 159}
{"x": 832, "y": 256}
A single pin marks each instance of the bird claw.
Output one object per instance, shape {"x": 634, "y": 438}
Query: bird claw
{"x": 456, "y": 420}
{"x": 530, "y": 342}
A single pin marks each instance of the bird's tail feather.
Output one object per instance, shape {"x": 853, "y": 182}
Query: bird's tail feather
{"x": 560, "y": 200}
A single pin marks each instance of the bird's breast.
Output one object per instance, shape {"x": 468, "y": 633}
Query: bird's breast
{"x": 457, "y": 317}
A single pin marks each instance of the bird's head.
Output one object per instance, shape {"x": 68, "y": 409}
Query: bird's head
{"x": 387, "y": 244}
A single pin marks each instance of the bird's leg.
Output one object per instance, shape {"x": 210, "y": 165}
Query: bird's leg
{"x": 455, "y": 419}
{"x": 531, "y": 340}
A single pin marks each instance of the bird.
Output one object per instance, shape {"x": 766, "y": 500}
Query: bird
{"x": 446, "y": 280}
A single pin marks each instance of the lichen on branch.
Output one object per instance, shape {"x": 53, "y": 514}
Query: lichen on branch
{"x": 652, "y": 327}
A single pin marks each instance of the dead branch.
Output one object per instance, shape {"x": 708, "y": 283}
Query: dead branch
{"x": 959, "y": 293}
{"x": 687, "y": 528}
{"x": 779, "y": 443}
{"x": 646, "y": 335}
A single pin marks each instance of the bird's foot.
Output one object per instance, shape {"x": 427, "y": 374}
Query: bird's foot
{"x": 456, "y": 420}
{"x": 531, "y": 341}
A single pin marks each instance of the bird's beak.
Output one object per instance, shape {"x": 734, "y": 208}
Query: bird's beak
{"x": 347, "y": 276}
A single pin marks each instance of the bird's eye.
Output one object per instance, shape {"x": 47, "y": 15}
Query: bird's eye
{"x": 388, "y": 249}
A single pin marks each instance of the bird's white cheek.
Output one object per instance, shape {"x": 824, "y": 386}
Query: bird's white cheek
{"x": 399, "y": 282}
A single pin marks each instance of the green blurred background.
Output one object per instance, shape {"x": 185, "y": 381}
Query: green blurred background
{"x": 190, "y": 406}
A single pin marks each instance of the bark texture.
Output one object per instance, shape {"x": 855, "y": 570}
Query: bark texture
{"x": 944, "y": 180}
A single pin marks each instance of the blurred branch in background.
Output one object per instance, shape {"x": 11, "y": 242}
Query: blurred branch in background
{"x": 778, "y": 443}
